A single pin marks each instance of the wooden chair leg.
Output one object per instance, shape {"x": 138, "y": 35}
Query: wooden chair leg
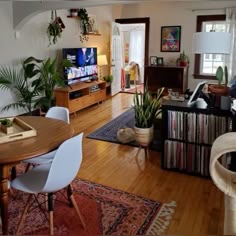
{"x": 77, "y": 210}
{"x": 22, "y": 218}
{"x": 73, "y": 202}
{"x": 51, "y": 222}
{"x": 27, "y": 167}
{"x": 50, "y": 210}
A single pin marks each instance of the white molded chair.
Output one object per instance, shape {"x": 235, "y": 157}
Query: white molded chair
{"x": 60, "y": 113}
{"x": 52, "y": 177}
{"x": 224, "y": 178}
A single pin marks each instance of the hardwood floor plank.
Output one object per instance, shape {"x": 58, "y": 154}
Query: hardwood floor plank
{"x": 200, "y": 205}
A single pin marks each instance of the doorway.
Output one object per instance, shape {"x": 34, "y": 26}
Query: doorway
{"x": 137, "y": 26}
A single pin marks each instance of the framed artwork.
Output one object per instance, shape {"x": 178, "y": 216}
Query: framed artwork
{"x": 153, "y": 61}
{"x": 160, "y": 61}
{"x": 170, "y": 38}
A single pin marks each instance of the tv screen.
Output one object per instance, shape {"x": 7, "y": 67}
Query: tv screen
{"x": 85, "y": 64}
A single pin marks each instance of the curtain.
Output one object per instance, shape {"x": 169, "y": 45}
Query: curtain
{"x": 136, "y": 49}
{"x": 231, "y": 59}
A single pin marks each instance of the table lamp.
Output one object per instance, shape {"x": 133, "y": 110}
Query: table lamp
{"x": 102, "y": 61}
{"x": 211, "y": 42}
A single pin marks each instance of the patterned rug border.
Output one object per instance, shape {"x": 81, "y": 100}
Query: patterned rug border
{"x": 163, "y": 218}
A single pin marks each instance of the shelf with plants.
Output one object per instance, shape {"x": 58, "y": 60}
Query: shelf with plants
{"x": 87, "y": 24}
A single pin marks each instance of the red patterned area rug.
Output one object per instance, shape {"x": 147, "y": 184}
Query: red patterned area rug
{"x": 133, "y": 89}
{"x": 106, "y": 211}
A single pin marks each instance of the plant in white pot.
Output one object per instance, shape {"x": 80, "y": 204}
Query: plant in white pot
{"x": 146, "y": 108}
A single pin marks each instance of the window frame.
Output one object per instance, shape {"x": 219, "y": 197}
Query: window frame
{"x": 200, "y": 20}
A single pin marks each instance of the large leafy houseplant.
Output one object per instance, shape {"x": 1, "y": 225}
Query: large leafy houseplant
{"x": 49, "y": 77}
{"x": 20, "y": 82}
{"x": 32, "y": 84}
{"x": 146, "y": 107}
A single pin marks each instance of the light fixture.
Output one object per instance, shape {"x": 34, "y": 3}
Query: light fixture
{"x": 211, "y": 42}
{"x": 101, "y": 61}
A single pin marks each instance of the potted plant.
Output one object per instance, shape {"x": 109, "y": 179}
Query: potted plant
{"x": 108, "y": 79}
{"x": 19, "y": 81}
{"x": 6, "y": 125}
{"x": 84, "y": 24}
{"x": 219, "y": 88}
{"x": 55, "y": 28}
{"x": 74, "y": 12}
{"x": 183, "y": 59}
{"x": 32, "y": 85}
{"x": 146, "y": 109}
{"x": 48, "y": 78}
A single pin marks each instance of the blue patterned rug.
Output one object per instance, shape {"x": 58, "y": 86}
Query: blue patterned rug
{"x": 125, "y": 120}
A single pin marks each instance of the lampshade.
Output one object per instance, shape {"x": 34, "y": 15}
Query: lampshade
{"x": 211, "y": 42}
{"x": 102, "y": 60}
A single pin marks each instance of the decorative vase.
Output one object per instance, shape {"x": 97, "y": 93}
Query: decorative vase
{"x": 143, "y": 136}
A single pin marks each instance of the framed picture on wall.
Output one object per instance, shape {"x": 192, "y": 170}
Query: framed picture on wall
{"x": 153, "y": 61}
{"x": 170, "y": 38}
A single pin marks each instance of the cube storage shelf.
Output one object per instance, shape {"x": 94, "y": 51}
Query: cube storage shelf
{"x": 80, "y": 95}
{"x": 188, "y": 134}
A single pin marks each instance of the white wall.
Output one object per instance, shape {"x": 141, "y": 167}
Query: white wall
{"x": 33, "y": 41}
{"x": 171, "y": 14}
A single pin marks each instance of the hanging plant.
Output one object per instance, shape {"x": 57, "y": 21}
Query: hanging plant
{"x": 55, "y": 28}
{"x": 84, "y": 24}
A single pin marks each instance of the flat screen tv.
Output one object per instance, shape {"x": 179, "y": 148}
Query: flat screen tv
{"x": 85, "y": 64}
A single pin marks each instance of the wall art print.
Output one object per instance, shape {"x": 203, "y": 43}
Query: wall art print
{"x": 170, "y": 38}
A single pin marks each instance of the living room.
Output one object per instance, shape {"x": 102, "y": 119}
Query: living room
{"x": 200, "y": 207}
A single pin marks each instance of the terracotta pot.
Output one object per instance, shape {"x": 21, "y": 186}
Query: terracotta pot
{"x": 143, "y": 136}
{"x": 183, "y": 63}
{"x": 218, "y": 89}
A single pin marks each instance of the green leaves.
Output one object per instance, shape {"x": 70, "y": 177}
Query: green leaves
{"x": 33, "y": 84}
{"x": 219, "y": 75}
{"x": 146, "y": 107}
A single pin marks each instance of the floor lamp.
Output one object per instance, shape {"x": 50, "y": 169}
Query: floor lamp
{"x": 102, "y": 61}
{"x": 220, "y": 43}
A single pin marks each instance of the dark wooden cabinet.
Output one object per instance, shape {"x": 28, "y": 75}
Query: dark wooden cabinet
{"x": 174, "y": 77}
{"x": 188, "y": 134}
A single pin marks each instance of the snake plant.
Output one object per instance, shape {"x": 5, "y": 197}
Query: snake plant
{"x": 146, "y": 107}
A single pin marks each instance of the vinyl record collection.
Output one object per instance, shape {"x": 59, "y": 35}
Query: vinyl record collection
{"x": 189, "y": 138}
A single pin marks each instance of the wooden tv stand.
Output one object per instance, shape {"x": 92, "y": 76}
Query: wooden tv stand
{"x": 80, "y": 95}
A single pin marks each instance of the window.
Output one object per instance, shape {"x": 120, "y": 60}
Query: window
{"x": 206, "y": 65}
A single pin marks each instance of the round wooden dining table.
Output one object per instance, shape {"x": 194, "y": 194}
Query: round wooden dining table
{"x": 50, "y": 134}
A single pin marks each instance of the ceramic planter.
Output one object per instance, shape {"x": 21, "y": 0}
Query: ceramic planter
{"x": 143, "y": 136}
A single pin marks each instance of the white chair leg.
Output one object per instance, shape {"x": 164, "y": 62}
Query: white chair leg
{"x": 22, "y": 218}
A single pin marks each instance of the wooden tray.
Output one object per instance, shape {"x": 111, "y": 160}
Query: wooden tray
{"x": 21, "y": 130}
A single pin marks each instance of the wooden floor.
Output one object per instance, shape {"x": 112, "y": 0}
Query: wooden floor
{"x": 199, "y": 203}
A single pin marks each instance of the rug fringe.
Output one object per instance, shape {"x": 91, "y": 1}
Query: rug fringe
{"x": 162, "y": 219}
